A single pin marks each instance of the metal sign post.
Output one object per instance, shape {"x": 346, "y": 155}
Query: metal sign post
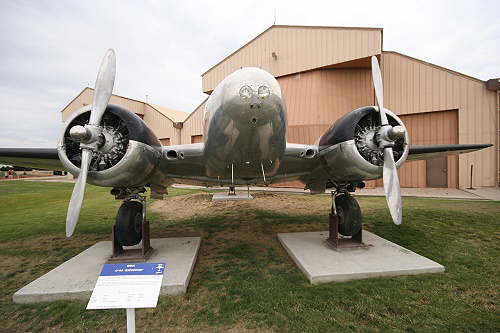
{"x": 131, "y": 320}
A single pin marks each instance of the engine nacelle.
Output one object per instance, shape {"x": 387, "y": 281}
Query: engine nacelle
{"x": 349, "y": 148}
{"x": 127, "y": 158}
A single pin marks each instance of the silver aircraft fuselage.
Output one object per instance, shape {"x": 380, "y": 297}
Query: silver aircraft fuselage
{"x": 244, "y": 126}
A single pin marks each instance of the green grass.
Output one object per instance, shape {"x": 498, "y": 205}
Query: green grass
{"x": 244, "y": 280}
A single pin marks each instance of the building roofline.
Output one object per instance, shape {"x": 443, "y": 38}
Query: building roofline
{"x": 436, "y": 66}
{"x": 154, "y": 108}
{"x": 130, "y": 99}
{"x": 325, "y": 27}
{"x": 289, "y": 26}
{"x": 81, "y": 92}
{"x": 191, "y": 113}
{"x": 164, "y": 115}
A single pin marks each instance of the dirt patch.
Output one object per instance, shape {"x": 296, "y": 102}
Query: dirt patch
{"x": 201, "y": 204}
{"x": 239, "y": 224}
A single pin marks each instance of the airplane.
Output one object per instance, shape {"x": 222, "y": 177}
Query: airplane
{"x": 245, "y": 143}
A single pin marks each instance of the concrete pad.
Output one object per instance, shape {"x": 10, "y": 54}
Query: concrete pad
{"x": 428, "y": 192}
{"x": 489, "y": 193}
{"x": 320, "y": 263}
{"x": 223, "y": 196}
{"x": 76, "y": 278}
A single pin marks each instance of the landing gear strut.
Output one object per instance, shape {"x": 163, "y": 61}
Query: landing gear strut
{"x": 131, "y": 227}
{"x": 345, "y": 222}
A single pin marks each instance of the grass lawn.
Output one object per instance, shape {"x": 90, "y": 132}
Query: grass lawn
{"x": 243, "y": 279}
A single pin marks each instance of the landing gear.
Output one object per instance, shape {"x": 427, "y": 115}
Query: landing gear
{"x": 349, "y": 215}
{"x": 129, "y": 223}
{"x": 131, "y": 227}
{"x": 345, "y": 222}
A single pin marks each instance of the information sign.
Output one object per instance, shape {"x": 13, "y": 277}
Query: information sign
{"x": 129, "y": 285}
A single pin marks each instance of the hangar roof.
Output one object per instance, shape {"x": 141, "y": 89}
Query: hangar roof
{"x": 287, "y": 49}
{"x": 174, "y": 115}
{"x": 133, "y": 105}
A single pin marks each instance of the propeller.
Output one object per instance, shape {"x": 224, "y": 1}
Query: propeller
{"x": 386, "y": 137}
{"x": 89, "y": 135}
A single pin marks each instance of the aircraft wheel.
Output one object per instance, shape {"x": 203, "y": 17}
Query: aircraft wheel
{"x": 350, "y": 220}
{"x": 129, "y": 223}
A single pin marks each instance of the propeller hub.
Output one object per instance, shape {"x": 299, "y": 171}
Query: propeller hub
{"x": 79, "y": 133}
{"x": 396, "y": 132}
{"x": 387, "y": 135}
{"x": 89, "y": 136}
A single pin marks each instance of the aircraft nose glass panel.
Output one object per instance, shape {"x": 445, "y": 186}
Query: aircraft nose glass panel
{"x": 264, "y": 92}
{"x": 246, "y": 92}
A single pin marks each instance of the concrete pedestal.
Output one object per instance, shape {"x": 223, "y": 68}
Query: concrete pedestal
{"x": 223, "y": 196}
{"x": 320, "y": 263}
{"x": 76, "y": 278}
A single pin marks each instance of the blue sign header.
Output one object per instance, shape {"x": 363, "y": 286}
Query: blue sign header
{"x": 150, "y": 268}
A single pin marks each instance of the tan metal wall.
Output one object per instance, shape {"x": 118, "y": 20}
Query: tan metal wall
{"x": 165, "y": 142}
{"x": 85, "y": 98}
{"x": 426, "y": 129}
{"x": 413, "y": 86}
{"x": 160, "y": 124}
{"x": 193, "y": 125}
{"x": 315, "y": 99}
{"x": 297, "y": 49}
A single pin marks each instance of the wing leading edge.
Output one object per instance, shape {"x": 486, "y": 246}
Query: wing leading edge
{"x": 38, "y": 158}
{"x": 427, "y": 152}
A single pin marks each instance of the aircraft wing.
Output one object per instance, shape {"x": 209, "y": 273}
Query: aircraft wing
{"x": 427, "y": 152}
{"x": 37, "y": 158}
{"x": 184, "y": 162}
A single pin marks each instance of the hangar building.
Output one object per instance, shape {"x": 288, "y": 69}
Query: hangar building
{"x": 325, "y": 72}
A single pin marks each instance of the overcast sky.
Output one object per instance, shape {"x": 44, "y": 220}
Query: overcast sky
{"x": 51, "y": 50}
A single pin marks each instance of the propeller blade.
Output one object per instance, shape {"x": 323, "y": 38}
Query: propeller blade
{"x": 391, "y": 187}
{"x": 379, "y": 89}
{"x": 75, "y": 204}
{"x": 390, "y": 174}
{"x": 103, "y": 87}
{"x": 102, "y": 93}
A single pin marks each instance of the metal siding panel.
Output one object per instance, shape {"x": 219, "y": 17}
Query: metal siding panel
{"x": 299, "y": 49}
{"x": 159, "y": 124}
{"x": 86, "y": 96}
{"x": 320, "y": 97}
{"x": 193, "y": 125}
{"x": 433, "y": 89}
{"x": 425, "y": 129}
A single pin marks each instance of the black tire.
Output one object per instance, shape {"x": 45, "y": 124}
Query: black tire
{"x": 129, "y": 223}
{"x": 350, "y": 219}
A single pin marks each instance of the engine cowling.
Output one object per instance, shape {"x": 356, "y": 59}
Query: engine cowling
{"x": 128, "y": 155}
{"x": 350, "y": 150}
